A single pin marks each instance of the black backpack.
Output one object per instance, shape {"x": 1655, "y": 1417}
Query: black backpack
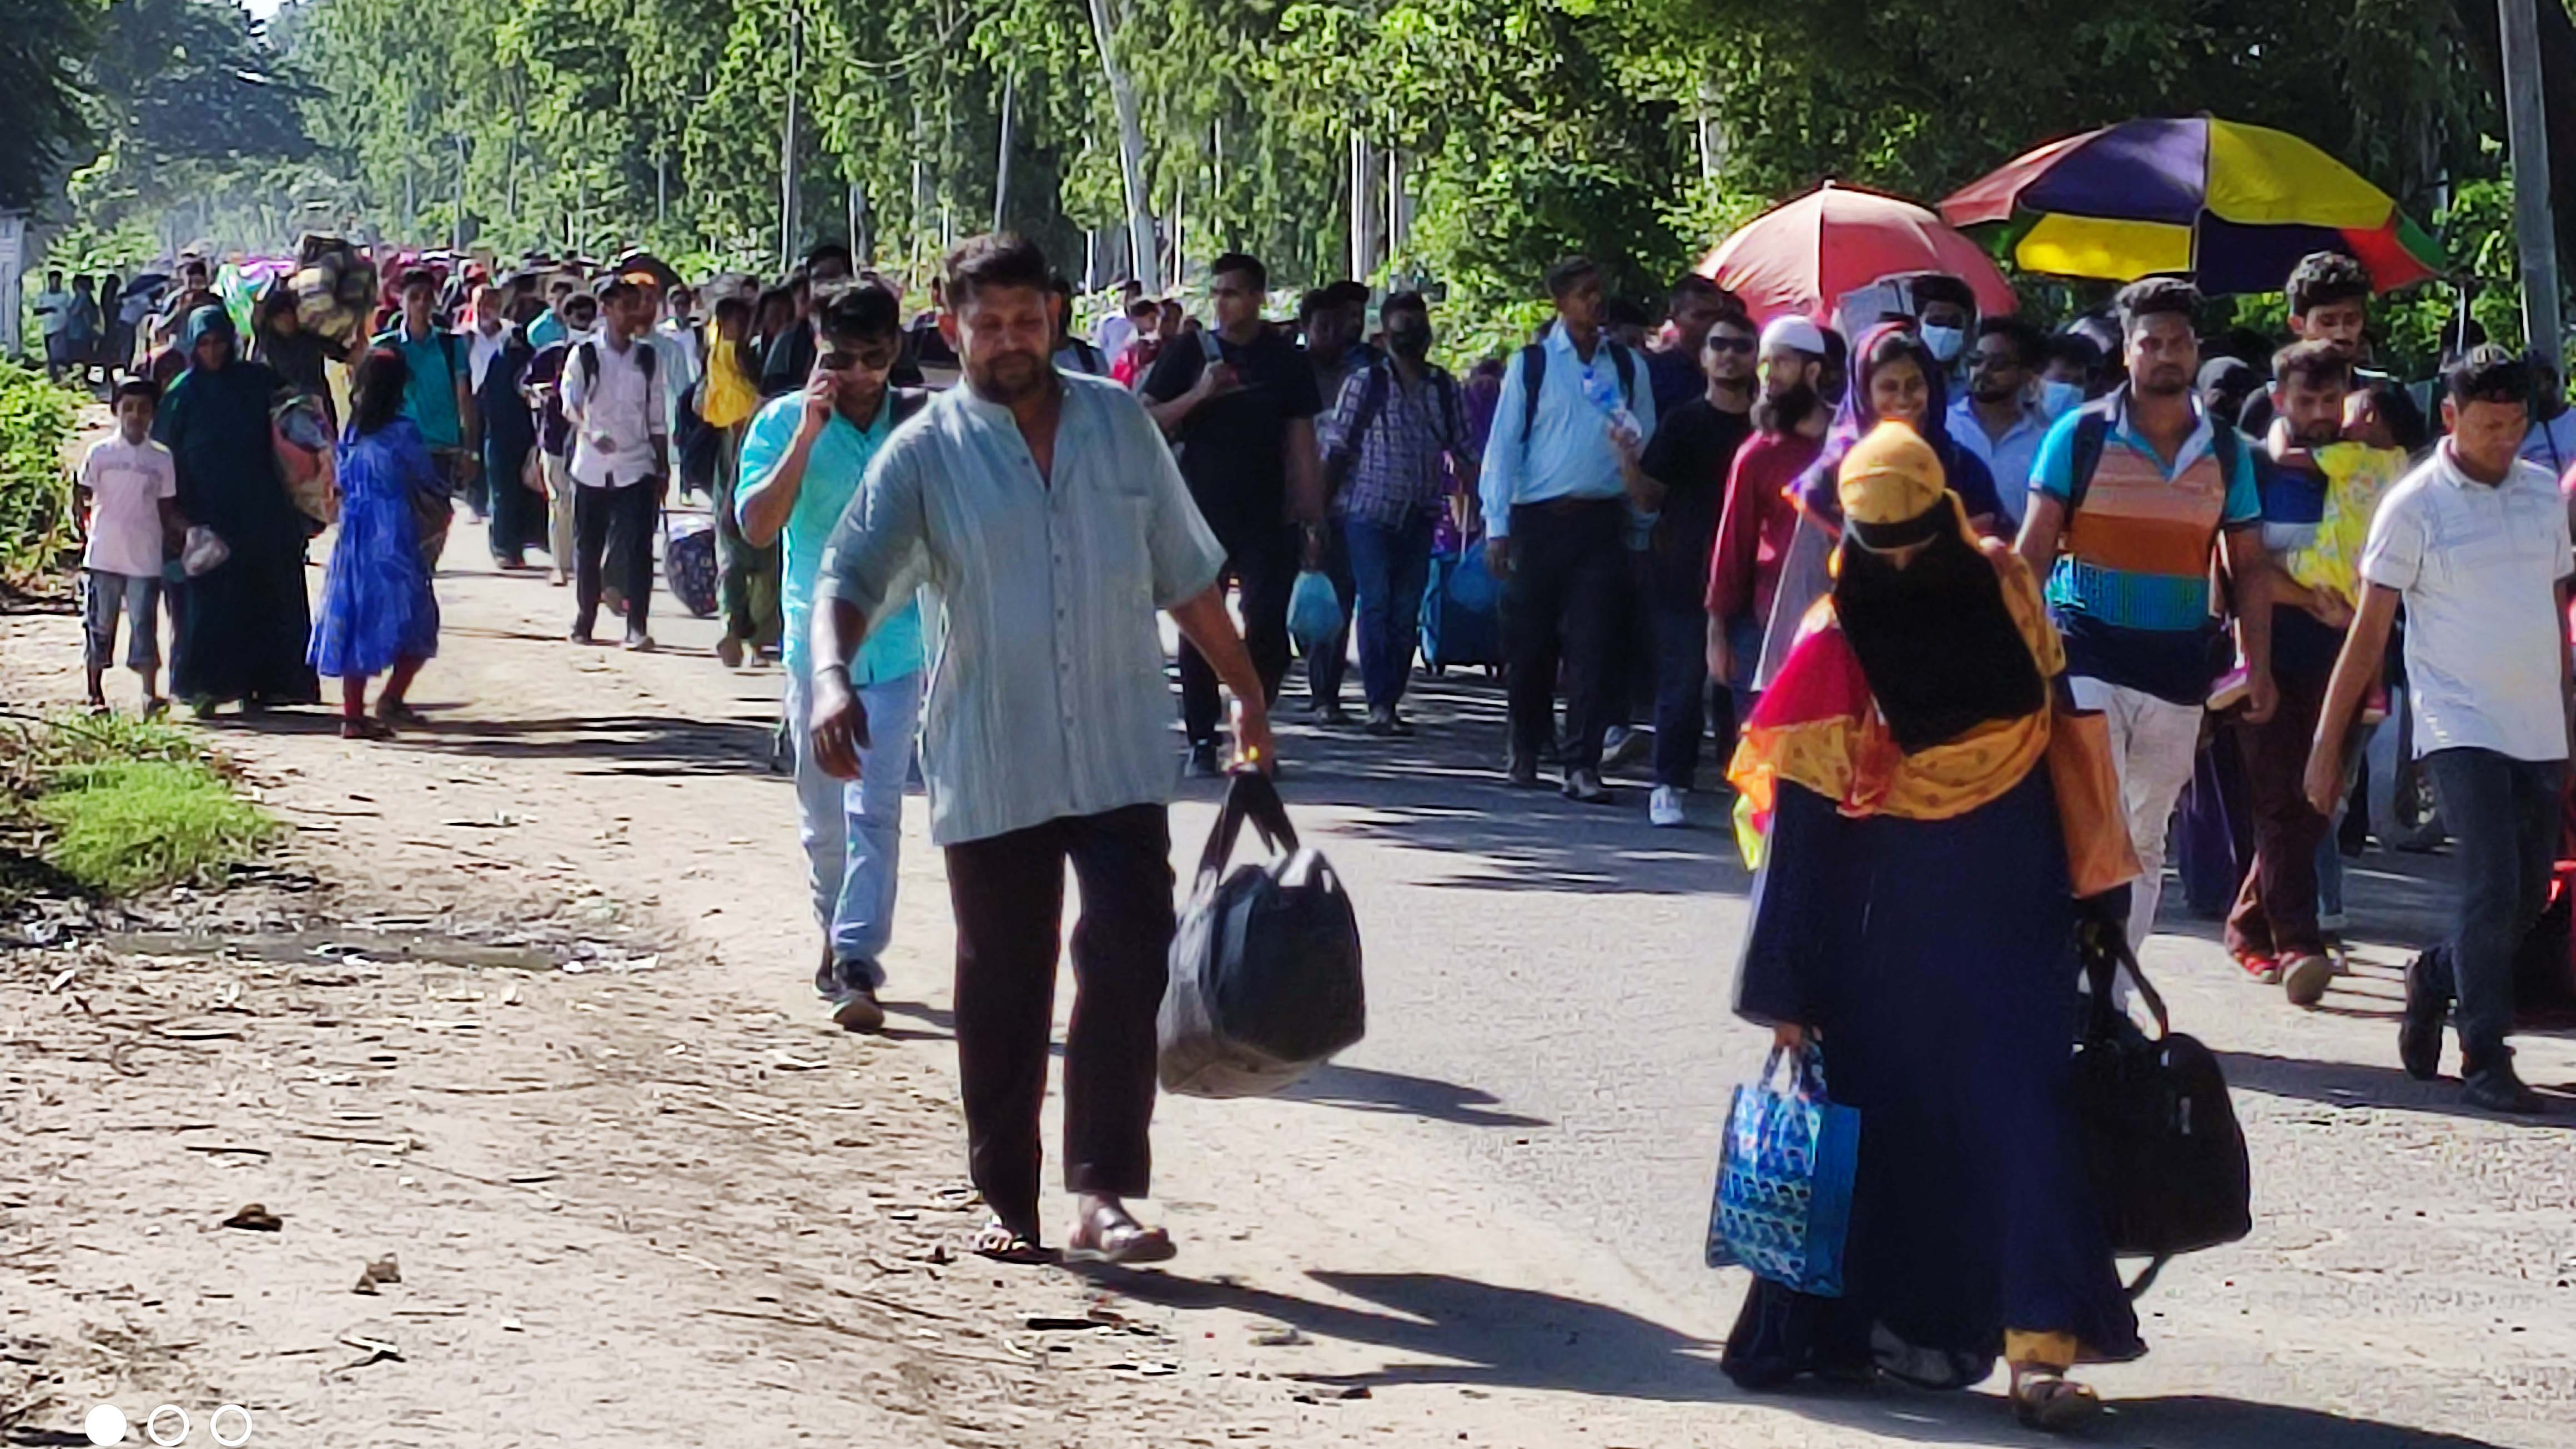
{"x": 2093, "y": 429}
{"x": 2161, "y": 1144}
{"x": 1373, "y": 395}
{"x": 1265, "y": 967}
{"x": 1534, "y": 372}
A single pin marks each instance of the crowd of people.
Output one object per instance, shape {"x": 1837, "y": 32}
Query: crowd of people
{"x": 1879, "y": 561}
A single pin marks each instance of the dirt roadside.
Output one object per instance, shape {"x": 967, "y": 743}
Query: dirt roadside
{"x": 539, "y": 1029}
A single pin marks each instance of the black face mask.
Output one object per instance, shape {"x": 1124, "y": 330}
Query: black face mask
{"x": 1935, "y": 639}
{"x": 1409, "y": 344}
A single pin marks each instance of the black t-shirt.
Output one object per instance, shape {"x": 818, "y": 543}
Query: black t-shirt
{"x": 1692, "y": 449}
{"x": 1233, "y": 450}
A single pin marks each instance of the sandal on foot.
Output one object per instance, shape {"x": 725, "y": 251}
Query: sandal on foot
{"x": 365, "y": 729}
{"x": 2048, "y": 1400}
{"x": 401, "y": 714}
{"x": 1115, "y": 1238}
{"x": 1002, "y": 1243}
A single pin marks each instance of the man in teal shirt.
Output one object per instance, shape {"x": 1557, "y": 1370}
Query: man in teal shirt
{"x": 440, "y": 396}
{"x": 802, "y": 460}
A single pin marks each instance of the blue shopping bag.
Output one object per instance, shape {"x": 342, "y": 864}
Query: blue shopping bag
{"x": 1784, "y": 1180}
{"x": 1314, "y": 613}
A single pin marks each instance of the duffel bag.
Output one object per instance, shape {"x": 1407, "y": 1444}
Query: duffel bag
{"x": 1265, "y": 968}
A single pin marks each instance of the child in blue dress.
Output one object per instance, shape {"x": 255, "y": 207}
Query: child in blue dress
{"x": 378, "y": 613}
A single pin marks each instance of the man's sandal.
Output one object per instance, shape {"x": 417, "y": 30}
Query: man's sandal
{"x": 1118, "y": 1240}
{"x": 1003, "y": 1243}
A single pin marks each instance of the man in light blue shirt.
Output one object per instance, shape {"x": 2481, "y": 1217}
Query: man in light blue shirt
{"x": 803, "y": 457}
{"x": 1045, "y": 521}
{"x": 1560, "y": 471}
{"x": 1995, "y": 417}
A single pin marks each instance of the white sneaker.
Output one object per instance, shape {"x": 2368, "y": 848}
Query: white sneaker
{"x": 1664, "y": 807}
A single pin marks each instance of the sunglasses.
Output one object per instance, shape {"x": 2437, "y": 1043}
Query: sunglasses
{"x": 874, "y": 360}
{"x": 1738, "y": 345}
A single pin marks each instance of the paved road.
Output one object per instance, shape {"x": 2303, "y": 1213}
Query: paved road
{"x": 1550, "y": 983}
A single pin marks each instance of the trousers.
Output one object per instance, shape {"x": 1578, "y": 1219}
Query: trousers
{"x": 1562, "y": 605}
{"x": 618, "y": 523}
{"x": 1263, "y": 567}
{"x": 852, "y": 830}
{"x": 2505, "y": 823}
{"x": 2276, "y": 909}
{"x": 1008, "y": 891}
{"x": 2152, "y": 742}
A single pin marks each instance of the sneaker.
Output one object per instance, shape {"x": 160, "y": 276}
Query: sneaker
{"x": 1625, "y": 746}
{"x": 729, "y": 651}
{"x": 2419, "y": 1028}
{"x": 1664, "y": 807}
{"x": 1329, "y": 712}
{"x": 1584, "y": 787}
{"x": 2231, "y": 689}
{"x": 2333, "y": 923}
{"x": 1522, "y": 771}
{"x": 2262, "y": 968}
{"x": 2497, "y": 1088}
{"x": 639, "y": 643}
{"x": 1398, "y": 725}
{"x": 580, "y": 636}
{"x": 1381, "y": 723}
{"x": 2304, "y": 978}
{"x": 1202, "y": 762}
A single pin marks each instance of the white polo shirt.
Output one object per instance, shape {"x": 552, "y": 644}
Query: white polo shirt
{"x": 2478, "y": 567}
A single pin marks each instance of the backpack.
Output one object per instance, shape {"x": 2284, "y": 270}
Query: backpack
{"x": 650, "y": 361}
{"x": 2093, "y": 429}
{"x": 1534, "y": 372}
{"x": 1373, "y": 395}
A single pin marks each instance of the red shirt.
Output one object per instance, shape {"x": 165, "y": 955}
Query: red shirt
{"x": 1754, "y": 532}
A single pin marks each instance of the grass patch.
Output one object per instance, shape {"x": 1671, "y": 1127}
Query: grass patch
{"x": 117, "y": 805}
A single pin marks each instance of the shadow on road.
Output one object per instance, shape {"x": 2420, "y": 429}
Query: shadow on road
{"x": 630, "y": 745}
{"x": 2348, "y": 1084}
{"x": 1455, "y": 1331}
{"x": 1364, "y": 1090}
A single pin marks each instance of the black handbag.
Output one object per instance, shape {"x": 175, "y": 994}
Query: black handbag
{"x": 2161, "y": 1144}
{"x": 1265, "y": 966}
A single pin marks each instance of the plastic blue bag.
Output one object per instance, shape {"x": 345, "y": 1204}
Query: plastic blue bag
{"x": 1784, "y": 1180}
{"x": 1314, "y": 613}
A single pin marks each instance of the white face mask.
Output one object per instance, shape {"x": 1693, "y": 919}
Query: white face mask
{"x": 1945, "y": 342}
{"x": 2057, "y": 397}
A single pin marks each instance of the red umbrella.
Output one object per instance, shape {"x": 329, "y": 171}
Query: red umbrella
{"x": 1806, "y": 255}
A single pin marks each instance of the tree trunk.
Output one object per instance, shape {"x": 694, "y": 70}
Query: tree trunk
{"x": 1131, "y": 148}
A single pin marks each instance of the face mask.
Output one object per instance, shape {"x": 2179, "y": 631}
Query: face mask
{"x": 2056, "y": 397}
{"x": 1945, "y": 342}
{"x": 1409, "y": 344}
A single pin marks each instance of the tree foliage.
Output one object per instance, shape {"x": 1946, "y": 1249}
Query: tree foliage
{"x": 1636, "y": 131}
{"x": 41, "y": 108}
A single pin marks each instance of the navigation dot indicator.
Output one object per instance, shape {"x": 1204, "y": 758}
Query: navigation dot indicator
{"x": 105, "y": 1425}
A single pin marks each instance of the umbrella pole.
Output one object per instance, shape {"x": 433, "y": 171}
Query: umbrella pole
{"x": 2535, "y": 232}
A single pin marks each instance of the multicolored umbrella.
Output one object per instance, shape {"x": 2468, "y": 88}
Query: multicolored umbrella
{"x": 1806, "y": 255}
{"x": 2232, "y": 206}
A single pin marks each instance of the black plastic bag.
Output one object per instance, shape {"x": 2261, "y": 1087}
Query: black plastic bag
{"x": 2161, "y": 1143}
{"x": 1266, "y": 978}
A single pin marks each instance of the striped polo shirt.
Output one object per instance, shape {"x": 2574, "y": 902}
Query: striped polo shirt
{"x": 2131, "y": 590}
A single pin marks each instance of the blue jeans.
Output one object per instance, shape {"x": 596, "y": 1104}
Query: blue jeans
{"x": 1681, "y": 690}
{"x": 2504, "y": 820}
{"x": 1390, "y": 567}
{"x": 853, "y": 829}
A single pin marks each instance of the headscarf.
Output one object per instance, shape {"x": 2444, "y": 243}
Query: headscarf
{"x": 1814, "y": 492}
{"x": 1940, "y": 650}
{"x": 1921, "y": 694}
{"x": 208, "y": 320}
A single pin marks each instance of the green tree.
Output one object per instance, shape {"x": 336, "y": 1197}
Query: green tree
{"x": 42, "y": 110}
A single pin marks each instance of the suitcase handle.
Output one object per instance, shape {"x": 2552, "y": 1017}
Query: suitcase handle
{"x": 1248, "y": 797}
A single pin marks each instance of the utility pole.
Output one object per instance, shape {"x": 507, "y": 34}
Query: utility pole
{"x": 2535, "y": 231}
{"x": 787, "y": 143}
{"x": 1142, "y": 259}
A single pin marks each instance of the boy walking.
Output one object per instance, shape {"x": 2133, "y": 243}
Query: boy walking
{"x": 132, "y": 485}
